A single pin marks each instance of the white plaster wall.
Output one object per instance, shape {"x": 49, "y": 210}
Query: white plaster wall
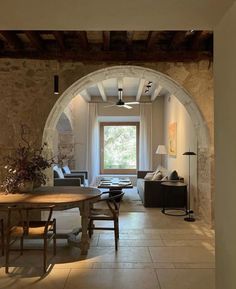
{"x": 157, "y": 131}
{"x": 225, "y": 142}
{"x": 174, "y": 111}
{"x": 79, "y": 117}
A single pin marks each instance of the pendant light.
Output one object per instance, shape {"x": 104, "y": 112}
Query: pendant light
{"x": 56, "y": 84}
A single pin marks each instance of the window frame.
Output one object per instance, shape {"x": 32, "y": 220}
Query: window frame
{"x": 101, "y": 149}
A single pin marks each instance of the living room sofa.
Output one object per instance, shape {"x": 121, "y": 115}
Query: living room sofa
{"x": 151, "y": 192}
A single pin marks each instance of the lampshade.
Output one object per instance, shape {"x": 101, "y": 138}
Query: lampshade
{"x": 189, "y": 154}
{"x": 161, "y": 150}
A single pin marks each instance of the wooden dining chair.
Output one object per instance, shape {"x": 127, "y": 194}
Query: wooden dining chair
{"x": 2, "y": 237}
{"x": 109, "y": 213}
{"x": 25, "y": 228}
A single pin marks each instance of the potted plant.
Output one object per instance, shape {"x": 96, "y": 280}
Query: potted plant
{"x": 25, "y": 168}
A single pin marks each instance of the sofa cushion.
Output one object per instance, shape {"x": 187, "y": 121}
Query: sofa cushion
{"x": 66, "y": 170}
{"x": 149, "y": 176}
{"x": 157, "y": 176}
{"x": 58, "y": 172}
{"x": 174, "y": 176}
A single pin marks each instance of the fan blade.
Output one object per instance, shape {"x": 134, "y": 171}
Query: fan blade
{"x": 132, "y": 102}
{"x": 109, "y": 105}
{"x": 127, "y": 106}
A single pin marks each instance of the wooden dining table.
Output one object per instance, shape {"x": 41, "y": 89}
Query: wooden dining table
{"x": 62, "y": 198}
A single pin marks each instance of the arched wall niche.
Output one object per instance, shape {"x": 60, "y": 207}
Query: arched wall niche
{"x": 205, "y": 156}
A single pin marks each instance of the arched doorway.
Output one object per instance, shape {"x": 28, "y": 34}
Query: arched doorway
{"x": 204, "y": 153}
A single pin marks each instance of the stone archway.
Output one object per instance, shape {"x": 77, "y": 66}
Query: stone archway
{"x": 204, "y": 153}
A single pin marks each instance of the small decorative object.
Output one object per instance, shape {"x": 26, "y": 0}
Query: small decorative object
{"x": 25, "y": 167}
{"x": 190, "y": 217}
{"x": 172, "y": 141}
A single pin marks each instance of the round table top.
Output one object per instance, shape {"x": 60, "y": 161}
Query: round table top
{"x": 51, "y": 195}
{"x": 174, "y": 184}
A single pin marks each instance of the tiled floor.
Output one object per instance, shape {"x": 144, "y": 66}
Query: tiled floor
{"x": 155, "y": 252}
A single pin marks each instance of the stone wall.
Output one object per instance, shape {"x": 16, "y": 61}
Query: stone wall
{"x": 27, "y": 96}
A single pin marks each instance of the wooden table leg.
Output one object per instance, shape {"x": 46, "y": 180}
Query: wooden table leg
{"x": 84, "y": 213}
{"x": 83, "y": 243}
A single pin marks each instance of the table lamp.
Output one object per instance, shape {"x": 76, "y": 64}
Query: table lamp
{"x": 161, "y": 150}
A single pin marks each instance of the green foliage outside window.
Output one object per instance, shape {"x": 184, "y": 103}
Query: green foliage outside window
{"x": 120, "y": 147}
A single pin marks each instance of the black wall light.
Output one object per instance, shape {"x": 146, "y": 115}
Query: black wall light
{"x": 56, "y": 84}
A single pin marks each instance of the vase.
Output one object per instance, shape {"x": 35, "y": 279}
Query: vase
{"x": 26, "y": 186}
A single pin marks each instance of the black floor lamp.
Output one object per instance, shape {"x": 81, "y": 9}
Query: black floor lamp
{"x": 190, "y": 218}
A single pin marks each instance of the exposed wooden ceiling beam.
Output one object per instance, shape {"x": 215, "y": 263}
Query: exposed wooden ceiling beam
{"x": 140, "y": 89}
{"x": 177, "y": 39}
{"x": 153, "y": 37}
{"x": 156, "y": 92}
{"x": 83, "y": 39}
{"x": 35, "y": 40}
{"x": 143, "y": 56}
{"x": 106, "y": 40}
{"x": 130, "y": 36}
{"x": 86, "y": 96}
{"x": 60, "y": 40}
{"x": 102, "y": 91}
{"x": 199, "y": 37}
{"x": 12, "y": 39}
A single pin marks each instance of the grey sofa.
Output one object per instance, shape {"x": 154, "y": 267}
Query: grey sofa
{"x": 60, "y": 180}
{"x": 83, "y": 175}
{"x": 151, "y": 192}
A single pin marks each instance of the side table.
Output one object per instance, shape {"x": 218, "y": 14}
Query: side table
{"x": 174, "y": 197}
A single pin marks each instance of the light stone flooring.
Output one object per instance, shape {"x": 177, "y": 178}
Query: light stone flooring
{"x": 156, "y": 251}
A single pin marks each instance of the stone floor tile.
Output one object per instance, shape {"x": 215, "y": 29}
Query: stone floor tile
{"x": 112, "y": 278}
{"x": 33, "y": 278}
{"x": 181, "y": 254}
{"x": 186, "y": 278}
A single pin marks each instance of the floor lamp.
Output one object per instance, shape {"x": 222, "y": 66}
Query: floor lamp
{"x": 161, "y": 150}
{"x": 190, "y": 218}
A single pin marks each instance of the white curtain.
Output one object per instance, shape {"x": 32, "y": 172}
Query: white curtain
{"x": 93, "y": 143}
{"x": 145, "y": 140}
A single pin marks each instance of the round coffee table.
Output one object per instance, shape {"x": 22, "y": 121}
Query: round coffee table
{"x": 174, "y": 198}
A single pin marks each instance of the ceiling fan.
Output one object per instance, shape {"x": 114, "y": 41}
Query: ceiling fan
{"x": 121, "y": 103}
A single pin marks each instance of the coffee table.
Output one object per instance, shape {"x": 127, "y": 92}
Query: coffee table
{"x": 114, "y": 184}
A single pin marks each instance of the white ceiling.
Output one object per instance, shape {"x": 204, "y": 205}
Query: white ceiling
{"x": 112, "y": 15}
{"x": 134, "y": 89}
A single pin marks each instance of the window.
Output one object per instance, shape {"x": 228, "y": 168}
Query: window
{"x": 119, "y": 147}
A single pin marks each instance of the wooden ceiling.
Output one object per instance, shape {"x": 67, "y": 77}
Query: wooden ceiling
{"x": 96, "y": 46}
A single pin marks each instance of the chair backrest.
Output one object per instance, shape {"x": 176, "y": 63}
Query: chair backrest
{"x": 58, "y": 172}
{"x": 24, "y": 216}
{"x": 113, "y": 202}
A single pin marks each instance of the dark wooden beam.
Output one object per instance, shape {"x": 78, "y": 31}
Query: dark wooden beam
{"x": 106, "y": 40}
{"x": 83, "y": 39}
{"x": 35, "y": 40}
{"x": 12, "y": 39}
{"x": 177, "y": 39}
{"x": 117, "y": 56}
{"x": 152, "y": 39}
{"x": 60, "y": 40}
{"x": 199, "y": 38}
{"x": 130, "y": 36}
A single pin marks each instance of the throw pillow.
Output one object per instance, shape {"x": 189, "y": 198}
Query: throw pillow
{"x": 174, "y": 176}
{"x": 149, "y": 176}
{"x": 165, "y": 178}
{"x": 157, "y": 176}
